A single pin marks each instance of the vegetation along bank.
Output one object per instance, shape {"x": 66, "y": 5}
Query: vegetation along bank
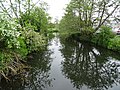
{"x": 93, "y": 21}
{"x": 23, "y": 29}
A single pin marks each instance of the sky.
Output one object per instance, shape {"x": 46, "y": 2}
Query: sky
{"x": 56, "y": 8}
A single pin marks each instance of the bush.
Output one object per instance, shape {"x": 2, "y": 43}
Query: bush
{"x": 34, "y": 41}
{"x": 4, "y": 58}
{"x": 103, "y": 37}
{"x": 17, "y": 43}
{"x": 87, "y": 31}
{"x": 8, "y": 33}
{"x": 114, "y": 43}
{"x": 37, "y": 19}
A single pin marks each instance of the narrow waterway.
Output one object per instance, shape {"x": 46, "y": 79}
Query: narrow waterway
{"x": 70, "y": 65}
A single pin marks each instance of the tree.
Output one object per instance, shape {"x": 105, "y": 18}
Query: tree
{"x": 26, "y": 12}
{"x": 16, "y": 7}
{"x": 91, "y": 13}
{"x": 69, "y": 23}
{"x": 37, "y": 18}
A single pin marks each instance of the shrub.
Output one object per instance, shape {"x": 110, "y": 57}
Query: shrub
{"x": 114, "y": 43}
{"x": 34, "y": 41}
{"x": 103, "y": 37}
{"x": 37, "y": 19}
{"x": 4, "y": 57}
{"x": 17, "y": 43}
{"x": 8, "y": 33}
{"x": 87, "y": 31}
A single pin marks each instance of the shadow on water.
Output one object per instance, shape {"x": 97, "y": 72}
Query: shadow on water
{"x": 36, "y": 78}
{"x": 89, "y": 66}
{"x": 69, "y": 65}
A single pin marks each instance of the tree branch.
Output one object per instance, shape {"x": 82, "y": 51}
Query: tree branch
{"x": 5, "y": 10}
{"x": 11, "y": 4}
{"x": 106, "y": 18}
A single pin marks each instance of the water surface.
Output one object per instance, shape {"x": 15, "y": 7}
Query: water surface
{"x": 69, "y": 65}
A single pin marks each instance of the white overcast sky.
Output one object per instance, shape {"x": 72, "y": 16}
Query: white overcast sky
{"x": 56, "y": 8}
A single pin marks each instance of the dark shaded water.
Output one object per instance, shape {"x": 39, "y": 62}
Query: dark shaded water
{"x": 69, "y": 65}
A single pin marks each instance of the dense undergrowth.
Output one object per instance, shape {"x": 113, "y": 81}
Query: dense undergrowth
{"x": 105, "y": 38}
{"x": 16, "y": 43}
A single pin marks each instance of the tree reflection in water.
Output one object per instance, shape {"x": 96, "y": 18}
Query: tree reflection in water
{"x": 37, "y": 78}
{"x": 85, "y": 65}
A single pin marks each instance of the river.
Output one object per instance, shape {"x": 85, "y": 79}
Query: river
{"x": 69, "y": 65}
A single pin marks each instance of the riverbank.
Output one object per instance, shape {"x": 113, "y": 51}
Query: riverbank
{"x": 112, "y": 44}
{"x": 69, "y": 65}
{"x": 13, "y": 55}
{"x": 105, "y": 39}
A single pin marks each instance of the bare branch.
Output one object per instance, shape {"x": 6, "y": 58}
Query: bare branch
{"x": 5, "y": 9}
{"x": 11, "y": 4}
{"x": 107, "y": 18}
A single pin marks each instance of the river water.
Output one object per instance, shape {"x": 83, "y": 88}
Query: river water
{"x": 69, "y": 65}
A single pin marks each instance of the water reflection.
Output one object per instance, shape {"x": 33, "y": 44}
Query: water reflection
{"x": 37, "y": 78}
{"x": 85, "y": 65}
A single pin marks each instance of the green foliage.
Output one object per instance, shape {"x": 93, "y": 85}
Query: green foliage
{"x": 37, "y": 19}
{"x": 51, "y": 25}
{"x": 17, "y": 43}
{"x": 33, "y": 40}
{"x": 86, "y": 15}
{"x": 19, "y": 35}
{"x": 5, "y": 58}
{"x": 52, "y": 30}
{"x": 103, "y": 37}
{"x": 114, "y": 43}
{"x": 69, "y": 23}
{"x": 8, "y": 33}
{"x": 50, "y": 36}
{"x": 87, "y": 31}
{"x": 107, "y": 39}
{"x": 22, "y": 50}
